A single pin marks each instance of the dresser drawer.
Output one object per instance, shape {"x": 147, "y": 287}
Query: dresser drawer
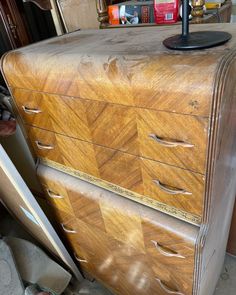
{"x": 157, "y": 182}
{"x": 60, "y": 114}
{"x": 174, "y": 139}
{"x": 176, "y": 187}
{"x": 64, "y": 150}
{"x": 110, "y": 165}
{"x": 101, "y": 123}
{"x": 123, "y": 243}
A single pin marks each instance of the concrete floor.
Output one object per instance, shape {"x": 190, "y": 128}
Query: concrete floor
{"x": 227, "y": 281}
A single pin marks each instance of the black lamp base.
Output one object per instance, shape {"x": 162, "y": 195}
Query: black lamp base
{"x": 197, "y": 40}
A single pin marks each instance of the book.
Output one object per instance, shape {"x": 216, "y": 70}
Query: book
{"x": 131, "y": 13}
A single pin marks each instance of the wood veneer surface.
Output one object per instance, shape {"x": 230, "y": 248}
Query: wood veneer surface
{"x": 130, "y": 131}
{"x": 127, "y": 171}
{"x": 128, "y": 67}
{"x": 131, "y": 69}
{"x": 115, "y": 237}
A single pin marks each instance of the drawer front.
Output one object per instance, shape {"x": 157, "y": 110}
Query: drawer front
{"x": 122, "y": 243}
{"x": 110, "y": 165}
{"x": 165, "y": 184}
{"x": 176, "y": 187}
{"x": 52, "y": 112}
{"x": 175, "y": 139}
{"x": 108, "y": 125}
{"x": 64, "y": 150}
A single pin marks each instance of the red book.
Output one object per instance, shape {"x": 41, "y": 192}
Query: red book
{"x": 114, "y": 14}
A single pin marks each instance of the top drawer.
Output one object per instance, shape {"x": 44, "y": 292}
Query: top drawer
{"x": 175, "y": 139}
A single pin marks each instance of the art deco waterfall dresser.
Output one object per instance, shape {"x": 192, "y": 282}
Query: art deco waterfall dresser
{"x": 135, "y": 149}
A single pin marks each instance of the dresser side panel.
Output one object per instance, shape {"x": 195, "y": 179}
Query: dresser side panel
{"x": 222, "y": 176}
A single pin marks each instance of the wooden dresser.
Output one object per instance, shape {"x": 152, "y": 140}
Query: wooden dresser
{"x": 136, "y": 150}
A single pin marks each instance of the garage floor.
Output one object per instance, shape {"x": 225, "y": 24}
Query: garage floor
{"x": 227, "y": 281}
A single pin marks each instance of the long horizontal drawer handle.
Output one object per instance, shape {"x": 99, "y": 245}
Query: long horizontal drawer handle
{"x": 165, "y": 252}
{"x": 69, "y": 231}
{"x": 52, "y": 195}
{"x": 31, "y": 111}
{"x": 79, "y": 259}
{"x": 171, "y": 191}
{"x": 43, "y": 146}
{"x": 170, "y": 143}
{"x": 167, "y": 289}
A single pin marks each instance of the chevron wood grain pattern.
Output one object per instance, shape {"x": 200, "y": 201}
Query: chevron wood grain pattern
{"x": 119, "y": 127}
{"x": 64, "y": 150}
{"x": 187, "y": 101}
{"x": 112, "y": 66}
{"x": 189, "y": 187}
{"x": 116, "y": 241}
{"x": 131, "y": 195}
{"x": 56, "y": 199}
{"x": 125, "y": 170}
{"x": 174, "y": 127}
{"x": 54, "y": 113}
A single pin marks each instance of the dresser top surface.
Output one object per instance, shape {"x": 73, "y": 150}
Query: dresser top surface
{"x": 95, "y": 64}
{"x": 130, "y": 41}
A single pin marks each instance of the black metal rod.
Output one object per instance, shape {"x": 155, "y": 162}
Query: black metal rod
{"x": 185, "y": 18}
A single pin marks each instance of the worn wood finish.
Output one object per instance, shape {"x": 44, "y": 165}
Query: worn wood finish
{"x": 116, "y": 240}
{"x": 189, "y": 133}
{"x": 115, "y": 70}
{"x": 126, "y": 73}
{"x": 221, "y": 185}
{"x": 127, "y": 171}
{"x": 51, "y": 112}
{"x": 133, "y": 130}
{"x": 131, "y": 195}
{"x": 175, "y": 181}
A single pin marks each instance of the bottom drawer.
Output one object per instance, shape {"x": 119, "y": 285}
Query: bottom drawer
{"x": 131, "y": 248}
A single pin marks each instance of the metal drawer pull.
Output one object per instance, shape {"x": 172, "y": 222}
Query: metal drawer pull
{"x": 31, "y": 111}
{"x": 170, "y": 143}
{"x": 79, "y": 259}
{"x": 165, "y": 251}
{"x": 167, "y": 289}
{"x": 69, "y": 231}
{"x": 42, "y": 146}
{"x": 53, "y": 195}
{"x": 171, "y": 191}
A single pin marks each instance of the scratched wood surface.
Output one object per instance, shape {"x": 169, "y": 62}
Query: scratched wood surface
{"x": 127, "y": 72}
{"x": 169, "y": 185}
{"x": 128, "y": 75}
{"x": 133, "y": 130}
{"x": 128, "y": 246}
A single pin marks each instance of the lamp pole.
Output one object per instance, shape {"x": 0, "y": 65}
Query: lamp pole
{"x": 195, "y": 40}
